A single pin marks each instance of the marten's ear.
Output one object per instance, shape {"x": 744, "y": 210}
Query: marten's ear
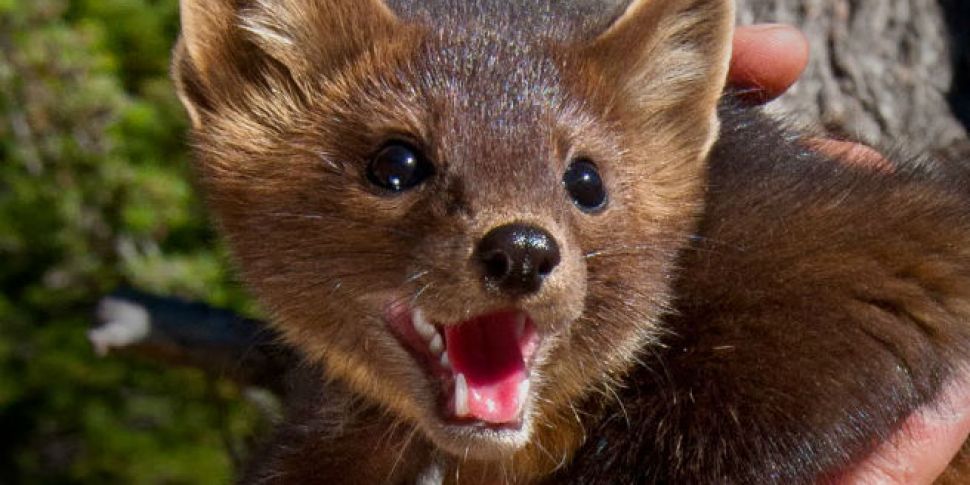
{"x": 227, "y": 45}
{"x": 670, "y": 58}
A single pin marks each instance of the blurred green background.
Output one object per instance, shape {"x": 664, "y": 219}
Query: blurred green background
{"x": 93, "y": 195}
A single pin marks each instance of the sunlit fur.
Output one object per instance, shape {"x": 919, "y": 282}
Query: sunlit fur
{"x": 290, "y": 98}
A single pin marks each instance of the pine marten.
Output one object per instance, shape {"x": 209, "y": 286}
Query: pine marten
{"x": 532, "y": 242}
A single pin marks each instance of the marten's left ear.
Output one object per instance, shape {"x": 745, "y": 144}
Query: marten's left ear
{"x": 227, "y": 46}
{"x": 670, "y": 58}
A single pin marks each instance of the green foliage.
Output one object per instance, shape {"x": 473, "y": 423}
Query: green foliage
{"x": 94, "y": 194}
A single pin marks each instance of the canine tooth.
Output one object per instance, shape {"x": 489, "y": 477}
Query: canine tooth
{"x": 421, "y": 325}
{"x": 444, "y": 360}
{"x": 523, "y": 393}
{"x": 519, "y": 325}
{"x": 436, "y": 345}
{"x": 461, "y": 396}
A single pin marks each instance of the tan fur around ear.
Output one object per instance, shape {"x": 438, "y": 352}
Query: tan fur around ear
{"x": 206, "y": 28}
{"x": 228, "y": 44}
{"x": 671, "y": 59}
{"x": 315, "y": 35}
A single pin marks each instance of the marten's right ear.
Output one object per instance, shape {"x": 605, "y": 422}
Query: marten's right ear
{"x": 227, "y": 46}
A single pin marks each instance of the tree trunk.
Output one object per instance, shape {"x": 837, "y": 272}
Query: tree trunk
{"x": 883, "y": 71}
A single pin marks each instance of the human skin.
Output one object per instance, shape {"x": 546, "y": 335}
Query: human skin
{"x": 766, "y": 61}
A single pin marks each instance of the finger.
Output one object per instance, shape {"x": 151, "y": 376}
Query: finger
{"x": 767, "y": 59}
{"x": 921, "y": 450}
{"x": 852, "y": 153}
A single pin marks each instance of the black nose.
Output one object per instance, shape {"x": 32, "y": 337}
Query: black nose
{"x": 516, "y": 258}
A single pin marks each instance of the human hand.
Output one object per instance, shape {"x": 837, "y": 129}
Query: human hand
{"x": 921, "y": 450}
{"x": 767, "y": 60}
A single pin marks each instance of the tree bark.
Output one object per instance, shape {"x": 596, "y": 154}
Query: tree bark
{"x": 884, "y": 71}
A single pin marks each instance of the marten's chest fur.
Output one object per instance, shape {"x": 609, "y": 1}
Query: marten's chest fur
{"x": 525, "y": 244}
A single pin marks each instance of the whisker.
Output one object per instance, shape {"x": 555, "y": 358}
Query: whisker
{"x": 619, "y": 401}
{"x": 400, "y": 455}
{"x": 417, "y": 294}
{"x": 385, "y": 438}
{"x": 625, "y": 249}
{"x": 417, "y": 276}
{"x": 582, "y": 427}
{"x": 715, "y": 241}
{"x": 661, "y": 245}
{"x": 448, "y": 244}
{"x": 546, "y": 452}
{"x": 344, "y": 219}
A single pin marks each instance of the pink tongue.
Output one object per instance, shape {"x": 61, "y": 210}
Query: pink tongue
{"x": 488, "y": 352}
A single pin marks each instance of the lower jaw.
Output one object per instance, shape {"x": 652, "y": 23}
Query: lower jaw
{"x": 524, "y": 456}
{"x": 480, "y": 443}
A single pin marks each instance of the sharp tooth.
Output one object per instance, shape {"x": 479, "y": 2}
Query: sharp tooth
{"x": 461, "y": 396}
{"x": 444, "y": 361}
{"x": 523, "y": 394}
{"x": 519, "y": 325}
{"x": 436, "y": 345}
{"x": 421, "y": 325}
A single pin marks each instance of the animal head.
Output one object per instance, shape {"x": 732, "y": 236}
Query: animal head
{"x": 467, "y": 211}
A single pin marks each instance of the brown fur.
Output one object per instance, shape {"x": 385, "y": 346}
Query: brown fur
{"x": 821, "y": 288}
{"x": 819, "y": 304}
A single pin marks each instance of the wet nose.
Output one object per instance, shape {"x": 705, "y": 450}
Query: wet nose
{"x": 517, "y": 258}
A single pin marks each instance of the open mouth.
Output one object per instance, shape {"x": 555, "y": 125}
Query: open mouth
{"x": 482, "y": 364}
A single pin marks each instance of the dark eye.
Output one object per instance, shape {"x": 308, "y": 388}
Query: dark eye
{"x": 398, "y": 167}
{"x": 584, "y": 185}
